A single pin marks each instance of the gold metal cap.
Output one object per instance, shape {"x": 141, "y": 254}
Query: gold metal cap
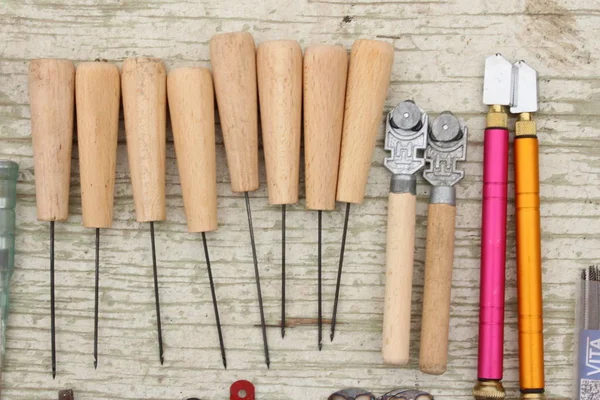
{"x": 497, "y": 117}
{"x": 533, "y": 396}
{"x": 525, "y": 125}
{"x": 488, "y": 390}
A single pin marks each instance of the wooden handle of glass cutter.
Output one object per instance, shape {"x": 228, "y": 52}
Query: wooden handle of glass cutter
{"x": 233, "y": 59}
{"x": 143, "y": 82}
{"x": 98, "y": 95}
{"x": 191, "y": 104}
{"x": 398, "y": 277}
{"x": 279, "y": 69}
{"x": 368, "y": 81}
{"x": 439, "y": 259}
{"x": 325, "y": 73}
{"x": 52, "y": 100}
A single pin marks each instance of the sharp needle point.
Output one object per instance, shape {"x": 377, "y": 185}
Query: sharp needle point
{"x": 257, "y": 278}
{"x": 96, "y": 297}
{"x": 339, "y": 274}
{"x": 52, "y": 314}
{"x": 283, "y": 271}
{"x": 156, "y": 297}
{"x": 319, "y": 283}
{"x": 214, "y": 299}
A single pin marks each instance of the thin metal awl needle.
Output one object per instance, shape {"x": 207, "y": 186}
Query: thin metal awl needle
{"x": 282, "y": 271}
{"x": 339, "y": 274}
{"x": 96, "y": 298}
{"x": 257, "y": 276}
{"x": 156, "y": 298}
{"x": 52, "y": 315}
{"x": 320, "y": 297}
{"x": 214, "y": 299}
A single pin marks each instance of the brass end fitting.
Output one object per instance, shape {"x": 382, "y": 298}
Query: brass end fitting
{"x": 525, "y": 126}
{"x": 533, "y": 396}
{"x": 488, "y": 390}
{"x": 497, "y": 117}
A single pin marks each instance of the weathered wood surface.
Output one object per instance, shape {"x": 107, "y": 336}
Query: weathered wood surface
{"x": 440, "y": 47}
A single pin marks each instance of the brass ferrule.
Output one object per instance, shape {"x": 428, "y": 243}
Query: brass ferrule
{"x": 489, "y": 390}
{"x": 533, "y": 396}
{"x": 525, "y": 125}
{"x": 497, "y": 117}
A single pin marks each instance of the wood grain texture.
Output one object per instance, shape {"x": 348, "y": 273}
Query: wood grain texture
{"x": 233, "y": 60}
{"x": 439, "y": 259}
{"x": 439, "y": 51}
{"x": 98, "y": 98}
{"x": 192, "y": 109}
{"x": 399, "y": 259}
{"x": 144, "y": 105}
{"x": 325, "y": 73}
{"x": 279, "y": 70}
{"x": 51, "y": 98}
{"x": 366, "y": 91}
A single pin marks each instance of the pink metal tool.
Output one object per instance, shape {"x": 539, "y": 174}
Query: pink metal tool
{"x": 498, "y": 94}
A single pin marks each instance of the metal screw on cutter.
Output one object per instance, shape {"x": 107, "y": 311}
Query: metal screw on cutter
{"x": 447, "y": 145}
{"x": 406, "y": 139}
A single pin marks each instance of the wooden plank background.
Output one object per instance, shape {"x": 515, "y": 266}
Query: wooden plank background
{"x": 440, "y": 47}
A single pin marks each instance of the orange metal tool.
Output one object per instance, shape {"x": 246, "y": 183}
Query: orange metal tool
{"x": 529, "y": 259}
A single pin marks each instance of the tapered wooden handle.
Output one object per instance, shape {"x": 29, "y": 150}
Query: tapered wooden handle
{"x": 52, "y": 100}
{"x": 368, "y": 81}
{"x": 98, "y": 95}
{"x": 325, "y": 73}
{"x": 439, "y": 257}
{"x": 233, "y": 59}
{"x": 398, "y": 277}
{"x": 279, "y": 69}
{"x": 192, "y": 108}
{"x": 143, "y": 81}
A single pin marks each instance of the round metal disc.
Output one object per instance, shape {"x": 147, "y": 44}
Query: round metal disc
{"x": 445, "y": 128}
{"x": 406, "y": 116}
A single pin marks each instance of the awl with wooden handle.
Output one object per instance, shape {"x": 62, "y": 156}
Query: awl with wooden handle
{"x": 233, "y": 58}
{"x": 325, "y": 73}
{"x": 52, "y": 96}
{"x": 192, "y": 110}
{"x": 279, "y": 70}
{"x": 406, "y": 139}
{"x": 447, "y": 145}
{"x": 98, "y": 95}
{"x": 143, "y": 82}
{"x": 368, "y": 80}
